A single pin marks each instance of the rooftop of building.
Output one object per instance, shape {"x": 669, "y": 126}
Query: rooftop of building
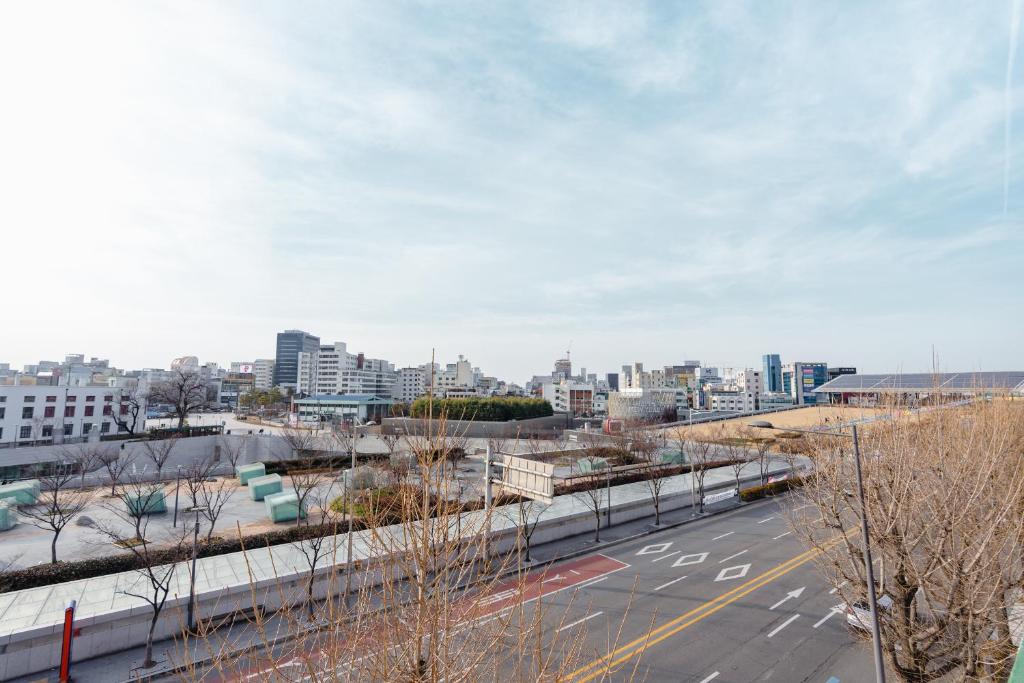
{"x": 1010, "y": 380}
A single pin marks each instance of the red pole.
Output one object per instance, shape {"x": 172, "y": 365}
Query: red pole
{"x": 65, "y": 647}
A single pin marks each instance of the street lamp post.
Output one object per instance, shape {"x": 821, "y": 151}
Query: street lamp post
{"x": 190, "y": 619}
{"x": 350, "y": 483}
{"x": 177, "y": 486}
{"x": 876, "y": 633}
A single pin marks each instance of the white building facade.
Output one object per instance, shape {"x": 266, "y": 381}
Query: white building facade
{"x": 37, "y": 415}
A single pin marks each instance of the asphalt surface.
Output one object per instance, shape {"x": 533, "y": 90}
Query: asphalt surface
{"x": 732, "y": 598}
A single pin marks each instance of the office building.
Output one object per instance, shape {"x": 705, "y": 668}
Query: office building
{"x": 290, "y": 344}
{"x": 799, "y": 380}
{"x": 45, "y": 414}
{"x": 771, "y": 373}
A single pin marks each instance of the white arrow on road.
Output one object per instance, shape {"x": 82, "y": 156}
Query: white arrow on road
{"x": 556, "y": 577}
{"x": 789, "y": 596}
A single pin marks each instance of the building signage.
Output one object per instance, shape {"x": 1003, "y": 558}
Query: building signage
{"x": 718, "y": 497}
{"x": 528, "y": 478}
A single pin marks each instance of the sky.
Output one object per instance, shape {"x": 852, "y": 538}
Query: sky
{"x": 655, "y": 182}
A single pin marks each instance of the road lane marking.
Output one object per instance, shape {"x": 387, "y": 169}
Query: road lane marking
{"x": 789, "y": 596}
{"x": 838, "y": 587}
{"x": 725, "y": 574}
{"x": 781, "y": 535}
{"x": 666, "y": 585}
{"x": 767, "y": 519}
{"x": 732, "y": 556}
{"x": 574, "y": 572}
{"x": 715, "y": 539}
{"x": 603, "y": 664}
{"x": 588, "y": 585}
{"x": 654, "y": 548}
{"x": 579, "y": 621}
{"x": 700, "y": 558}
{"x": 783, "y": 625}
{"x": 658, "y": 559}
{"x": 832, "y": 612}
{"x": 710, "y": 678}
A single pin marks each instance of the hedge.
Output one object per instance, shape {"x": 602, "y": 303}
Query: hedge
{"x": 48, "y": 574}
{"x": 770, "y": 489}
{"x": 318, "y": 462}
{"x": 598, "y": 479}
{"x": 483, "y": 409}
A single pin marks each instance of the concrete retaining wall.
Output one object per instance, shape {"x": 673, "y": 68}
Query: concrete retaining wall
{"x": 481, "y": 430}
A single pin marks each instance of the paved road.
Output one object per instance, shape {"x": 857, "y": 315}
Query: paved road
{"x": 729, "y": 599}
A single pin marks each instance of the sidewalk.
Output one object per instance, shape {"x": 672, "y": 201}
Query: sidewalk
{"x": 124, "y": 665}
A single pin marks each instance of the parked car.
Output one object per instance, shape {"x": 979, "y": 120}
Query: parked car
{"x": 858, "y": 615}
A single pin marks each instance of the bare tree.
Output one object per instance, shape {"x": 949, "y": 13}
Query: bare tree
{"x": 214, "y": 497}
{"x": 526, "y": 514}
{"x": 592, "y": 493}
{"x": 86, "y": 457}
{"x": 185, "y": 392}
{"x": 57, "y": 505}
{"x": 159, "y": 452}
{"x": 136, "y": 500}
{"x": 943, "y": 494}
{"x": 154, "y": 576}
{"x": 391, "y": 442}
{"x": 232, "y": 450}
{"x": 196, "y": 476}
{"x": 646, "y": 447}
{"x": 761, "y": 451}
{"x": 116, "y": 464}
{"x": 317, "y": 546}
{"x": 133, "y": 405}
{"x": 735, "y": 452}
{"x": 699, "y": 452}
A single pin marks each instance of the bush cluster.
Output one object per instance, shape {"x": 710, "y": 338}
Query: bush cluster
{"x": 775, "y": 487}
{"x": 484, "y": 409}
{"x": 48, "y": 574}
{"x": 318, "y": 462}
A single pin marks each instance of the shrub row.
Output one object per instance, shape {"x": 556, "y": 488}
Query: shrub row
{"x": 48, "y": 574}
{"x": 325, "y": 461}
{"x": 485, "y": 409}
{"x": 771, "y": 489}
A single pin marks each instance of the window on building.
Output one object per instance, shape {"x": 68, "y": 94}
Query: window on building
{"x": 51, "y": 399}
{"x": 3, "y": 411}
{"x": 25, "y": 433}
{"x": 104, "y": 428}
{"x": 30, "y": 399}
{"x": 48, "y": 411}
{"x": 69, "y": 411}
{"x": 124, "y": 408}
{"x": 26, "y": 413}
{"x": 47, "y": 431}
{"x": 88, "y": 410}
{"x": 90, "y": 399}
{"x": 1, "y": 432}
{"x": 71, "y": 399}
{"x": 108, "y": 398}
{"x": 86, "y": 428}
{"x": 108, "y": 410}
{"x": 69, "y": 429}
{"x": 3, "y": 399}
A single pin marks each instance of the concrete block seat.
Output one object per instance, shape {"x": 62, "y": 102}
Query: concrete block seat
{"x": 587, "y": 465}
{"x": 21, "y": 492}
{"x": 284, "y": 507}
{"x": 247, "y": 472}
{"x": 261, "y": 487}
{"x": 674, "y": 458}
{"x": 6, "y": 516}
{"x": 147, "y": 501}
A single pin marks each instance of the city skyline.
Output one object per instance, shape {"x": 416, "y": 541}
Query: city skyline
{"x": 648, "y": 182}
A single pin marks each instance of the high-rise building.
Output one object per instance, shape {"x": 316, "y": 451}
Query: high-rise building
{"x": 800, "y": 380}
{"x": 771, "y": 375}
{"x": 290, "y": 344}
{"x": 613, "y": 381}
{"x": 563, "y": 368}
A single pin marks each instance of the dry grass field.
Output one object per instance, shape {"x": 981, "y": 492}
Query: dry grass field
{"x": 801, "y": 418}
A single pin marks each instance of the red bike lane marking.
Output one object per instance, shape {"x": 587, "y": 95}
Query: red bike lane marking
{"x": 535, "y": 584}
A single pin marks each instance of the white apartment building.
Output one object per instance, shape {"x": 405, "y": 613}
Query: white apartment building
{"x": 261, "y": 369}
{"x": 36, "y": 415}
{"x": 409, "y": 385}
{"x": 570, "y": 397}
{"x": 333, "y": 371}
{"x": 732, "y": 400}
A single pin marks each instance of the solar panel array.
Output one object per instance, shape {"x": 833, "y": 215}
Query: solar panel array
{"x": 926, "y": 381}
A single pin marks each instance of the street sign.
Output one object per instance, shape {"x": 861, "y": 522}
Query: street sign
{"x": 718, "y": 497}
{"x": 529, "y": 478}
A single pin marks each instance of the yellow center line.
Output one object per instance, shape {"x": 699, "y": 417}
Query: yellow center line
{"x": 604, "y": 664}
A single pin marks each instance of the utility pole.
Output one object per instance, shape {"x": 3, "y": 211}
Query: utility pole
{"x": 876, "y": 635}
